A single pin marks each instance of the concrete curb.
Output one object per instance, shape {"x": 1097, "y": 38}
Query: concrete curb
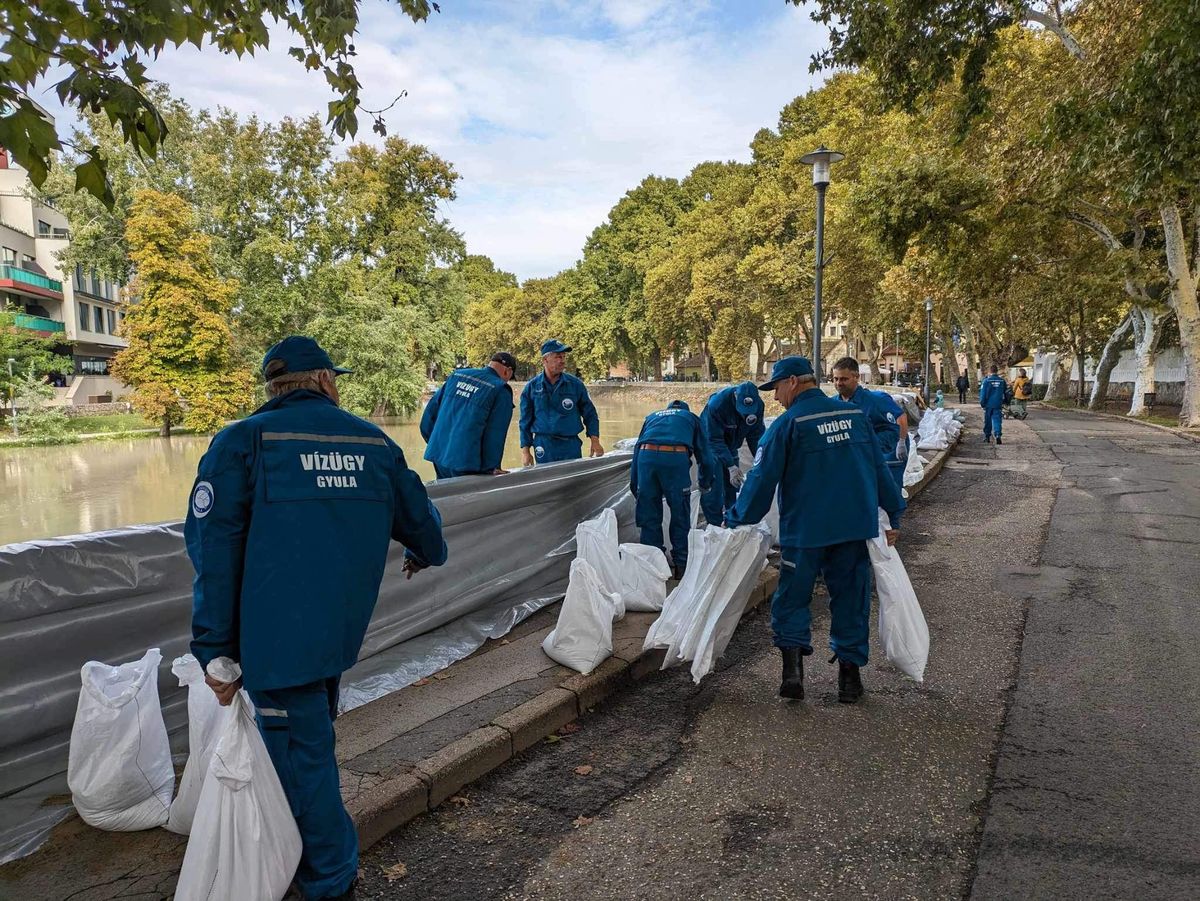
{"x": 389, "y": 804}
{"x": 1181, "y": 433}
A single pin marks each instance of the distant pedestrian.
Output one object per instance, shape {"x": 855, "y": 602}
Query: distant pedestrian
{"x": 823, "y": 458}
{"x": 992, "y": 392}
{"x": 662, "y": 470}
{"x": 963, "y": 384}
{"x": 1022, "y": 389}
{"x": 731, "y": 417}
{"x": 466, "y": 421}
{"x": 555, "y": 408}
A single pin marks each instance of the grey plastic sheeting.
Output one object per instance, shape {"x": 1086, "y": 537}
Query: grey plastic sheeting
{"x": 109, "y": 596}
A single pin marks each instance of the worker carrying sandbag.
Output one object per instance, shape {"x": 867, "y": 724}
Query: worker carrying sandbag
{"x": 823, "y": 456}
{"x": 288, "y": 529}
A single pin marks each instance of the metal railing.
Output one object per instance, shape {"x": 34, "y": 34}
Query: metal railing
{"x": 37, "y": 280}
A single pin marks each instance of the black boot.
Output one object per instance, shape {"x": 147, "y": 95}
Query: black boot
{"x": 792, "y": 685}
{"x": 850, "y": 687}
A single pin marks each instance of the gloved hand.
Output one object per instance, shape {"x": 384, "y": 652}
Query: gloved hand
{"x": 735, "y": 476}
{"x": 901, "y": 449}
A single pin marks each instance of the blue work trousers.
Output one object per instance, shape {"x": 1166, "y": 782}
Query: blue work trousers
{"x": 297, "y": 728}
{"x": 847, "y": 571}
{"x": 718, "y": 499}
{"x": 992, "y": 419}
{"x": 665, "y": 475}
{"x": 554, "y": 449}
{"x": 443, "y": 473}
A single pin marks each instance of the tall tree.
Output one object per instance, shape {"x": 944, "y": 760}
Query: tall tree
{"x": 181, "y": 360}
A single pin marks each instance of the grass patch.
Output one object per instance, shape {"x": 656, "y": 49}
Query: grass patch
{"x": 1066, "y": 403}
{"x": 108, "y": 422}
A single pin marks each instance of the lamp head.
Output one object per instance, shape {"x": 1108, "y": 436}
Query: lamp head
{"x": 821, "y": 159}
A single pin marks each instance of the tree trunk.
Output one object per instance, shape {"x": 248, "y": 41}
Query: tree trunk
{"x": 950, "y": 370}
{"x": 1081, "y": 357}
{"x": 164, "y": 431}
{"x": 973, "y": 361}
{"x": 1060, "y": 377}
{"x": 1109, "y": 358}
{"x": 656, "y": 362}
{"x": 1145, "y": 341}
{"x": 1186, "y": 307}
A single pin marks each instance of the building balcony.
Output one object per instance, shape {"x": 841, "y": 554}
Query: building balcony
{"x": 33, "y": 284}
{"x": 48, "y": 327}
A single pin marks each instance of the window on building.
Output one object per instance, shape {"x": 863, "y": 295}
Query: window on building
{"x": 112, "y": 322}
{"x": 43, "y": 229}
{"x": 80, "y": 279}
{"x": 84, "y": 322}
{"x": 95, "y": 284}
{"x": 98, "y": 320}
{"x": 10, "y": 256}
{"x": 91, "y": 366}
{"x": 26, "y": 258}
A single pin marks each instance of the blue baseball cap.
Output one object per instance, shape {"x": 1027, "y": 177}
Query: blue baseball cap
{"x": 679, "y": 405}
{"x": 297, "y": 353}
{"x": 554, "y": 346}
{"x": 786, "y": 368}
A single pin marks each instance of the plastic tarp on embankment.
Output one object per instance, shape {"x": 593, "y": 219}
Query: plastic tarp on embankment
{"x": 109, "y": 596}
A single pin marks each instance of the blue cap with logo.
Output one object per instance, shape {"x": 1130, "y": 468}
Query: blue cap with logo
{"x": 554, "y": 346}
{"x": 786, "y": 368}
{"x": 297, "y": 353}
{"x": 679, "y": 405}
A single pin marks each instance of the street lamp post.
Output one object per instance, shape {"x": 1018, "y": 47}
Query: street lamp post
{"x": 928, "y": 348}
{"x": 820, "y": 159}
{"x": 12, "y": 395}
{"x": 896, "y": 352}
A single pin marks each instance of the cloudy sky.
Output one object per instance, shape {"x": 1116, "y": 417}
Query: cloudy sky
{"x": 549, "y": 109}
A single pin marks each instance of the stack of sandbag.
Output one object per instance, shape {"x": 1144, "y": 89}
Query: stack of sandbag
{"x": 902, "y": 628}
{"x": 700, "y": 615}
{"x": 596, "y": 542}
{"x": 119, "y": 765}
{"x": 938, "y": 430}
{"x": 203, "y": 709}
{"x": 244, "y": 842}
{"x": 644, "y": 575}
{"x": 914, "y": 467}
{"x": 582, "y": 638}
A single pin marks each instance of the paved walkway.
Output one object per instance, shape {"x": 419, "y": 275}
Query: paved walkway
{"x": 1097, "y": 792}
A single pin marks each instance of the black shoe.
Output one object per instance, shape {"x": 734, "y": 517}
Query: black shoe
{"x": 998, "y": 441}
{"x": 850, "y": 687}
{"x": 677, "y": 573}
{"x": 792, "y": 685}
{"x": 347, "y": 895}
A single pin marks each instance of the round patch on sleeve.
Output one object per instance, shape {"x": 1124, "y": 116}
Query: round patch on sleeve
{"x": 758, "y": 456}
{"x": 891, "y": 417}
{"x": 202, "y": 499}
{"x": 751, "y": 419}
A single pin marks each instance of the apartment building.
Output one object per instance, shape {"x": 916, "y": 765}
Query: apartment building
{"x": 79, "y": 309}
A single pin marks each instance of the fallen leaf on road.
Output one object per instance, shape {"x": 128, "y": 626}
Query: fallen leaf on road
{"x": 422, "y": 682}
{"x": 441, "y": 676}
{"x": 460, "y": 800}
{"x": 569, "y": 729}
{"x": 687, "y": 779}
{"x": 551, "y": 739}
{"x": 395, "y": 872}
{"x": 581, "y": 820}
{"x": 585, "y": 770}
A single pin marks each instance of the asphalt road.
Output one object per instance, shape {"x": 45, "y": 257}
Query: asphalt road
{"x": 1097, "y": 786}
{"x": 723, "y": 790}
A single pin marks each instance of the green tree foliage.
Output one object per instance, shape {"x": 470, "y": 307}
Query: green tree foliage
{"x": 181, "y": 360}
{"x": 38, "y": 419}
{"x": 101, "y": 53}
{"x": 29, "y": 351}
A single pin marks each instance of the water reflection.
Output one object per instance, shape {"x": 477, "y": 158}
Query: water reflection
{"x": 47, "y": 491}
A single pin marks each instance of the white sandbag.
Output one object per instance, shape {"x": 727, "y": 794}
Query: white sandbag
{"x": 914, "y": 467}
{"x": 582, "y": 638}
{"x": 119, "y": 765}
{"x": 244, "y": 842}
{"x": 902, "y": 628}
{"x": 936, "y": 442}
{"x": 596, "y": 542}
{"x": 203, "y": 708}
{"x": 701, "y": 614}
{"x": 644, "y": 575}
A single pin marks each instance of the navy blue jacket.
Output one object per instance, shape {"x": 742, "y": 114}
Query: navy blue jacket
{"x": 832, "y": 479}
{"x": 288, "y": 530}
{"x": 991, "y": 392}
{"x": 884, "y": 415}
{"x": 563, "y": 409}
{"x": 466, "y": 421}
{"x": 731, "y": 416}
{"x": 680, "y": 426}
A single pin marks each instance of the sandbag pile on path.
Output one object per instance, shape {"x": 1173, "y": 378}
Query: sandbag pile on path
{"x": 938, "y": 429}
{"x": 701, "y": 614}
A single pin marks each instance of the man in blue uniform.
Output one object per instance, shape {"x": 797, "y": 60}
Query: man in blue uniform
{"x": 555, "y": 408}
{"x": 662, "y": 468}
{"x": 288, "y": 530}
{"x": 887, "y": 418}
{"x": 991, "y": 397}
{"x": 732, "y": 416}
{"x": 466, "y": 421}
{"x": 832, "y": 480}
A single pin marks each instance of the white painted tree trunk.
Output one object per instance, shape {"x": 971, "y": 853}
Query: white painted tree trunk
{"x": 1145, "y": 351}
{"x": 1109, "y": 357}
{"x": 1060, "y": 378}
{"x": 1183, "y": 274}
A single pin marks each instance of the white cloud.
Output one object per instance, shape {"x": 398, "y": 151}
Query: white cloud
{"x": 547, "y": 127}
